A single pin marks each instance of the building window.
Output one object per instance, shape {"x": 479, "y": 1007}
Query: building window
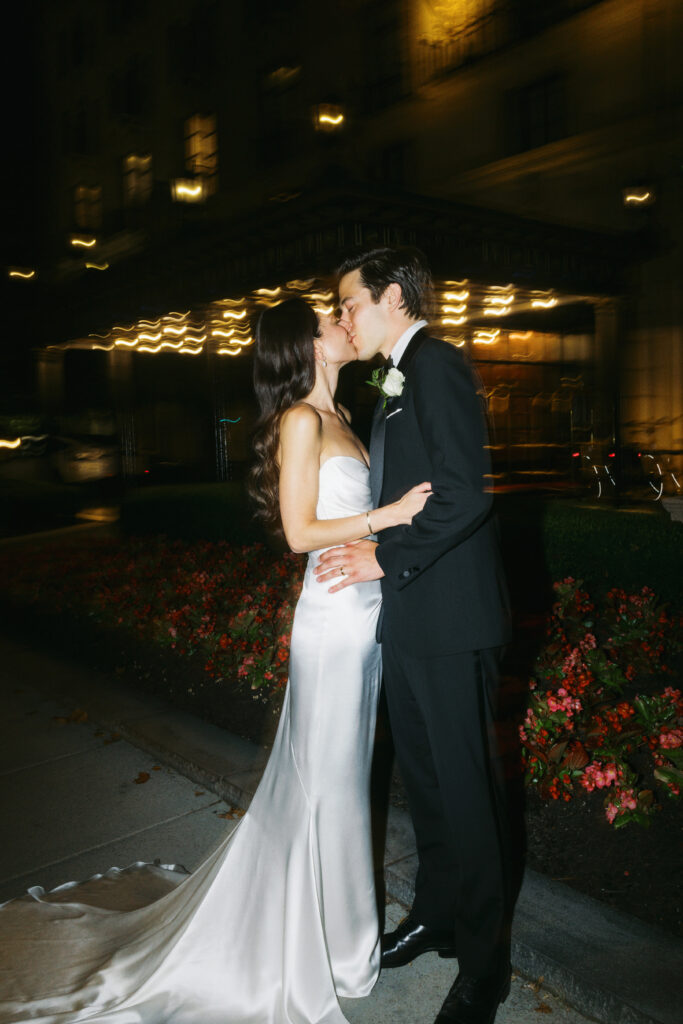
{"x": 392, "y": 165}
{"x": 282, "y": 112}
{"x": 129, "y": 90}
{"x": 537, "y": 114}
{"x": 137, "y": 179}
{"x": 80, "y": 131}
{"x": 88, "y": 207}
{"x": 201, "y": 150}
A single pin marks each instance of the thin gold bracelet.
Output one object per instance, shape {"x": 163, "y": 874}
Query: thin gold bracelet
{"x": 367, "y": 516}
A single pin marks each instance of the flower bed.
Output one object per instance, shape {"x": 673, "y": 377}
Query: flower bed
{"x": 228, "y": 608}
{"x": 589, "y": 725}
{"x": 603, "y": 711}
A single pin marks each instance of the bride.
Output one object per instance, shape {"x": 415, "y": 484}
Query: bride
{"x": 280, "y": 920}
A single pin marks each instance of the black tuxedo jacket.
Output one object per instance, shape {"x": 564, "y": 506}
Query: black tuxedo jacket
{"x": 443, "y": 589}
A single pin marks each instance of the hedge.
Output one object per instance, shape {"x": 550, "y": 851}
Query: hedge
{"x": 543, "y": 540}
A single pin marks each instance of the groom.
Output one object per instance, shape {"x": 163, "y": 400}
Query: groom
{"x": 443, "y": 625}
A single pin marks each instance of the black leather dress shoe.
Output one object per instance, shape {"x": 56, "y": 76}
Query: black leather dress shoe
{"x": 475, "y": 1000}
{"x": 412, "y": 939}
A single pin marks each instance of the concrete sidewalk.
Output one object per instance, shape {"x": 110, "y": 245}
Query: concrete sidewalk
{"x": 95, "y": 775}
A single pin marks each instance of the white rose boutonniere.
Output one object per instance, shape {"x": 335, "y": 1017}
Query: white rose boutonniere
{"x": 389, "y": 383}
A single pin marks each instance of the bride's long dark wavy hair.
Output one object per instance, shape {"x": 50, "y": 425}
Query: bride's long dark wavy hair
{"x": 284, "y": 373}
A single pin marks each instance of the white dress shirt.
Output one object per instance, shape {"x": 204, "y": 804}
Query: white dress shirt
{"x": 402, "y": 343}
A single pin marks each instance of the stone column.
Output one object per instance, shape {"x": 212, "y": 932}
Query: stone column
{"x": 220, "y": 415}
{"x": 607, "y": 359}
{"x": 120, "y": 367}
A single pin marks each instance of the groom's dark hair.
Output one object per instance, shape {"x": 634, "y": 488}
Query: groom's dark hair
{"x": 406, "y": 267}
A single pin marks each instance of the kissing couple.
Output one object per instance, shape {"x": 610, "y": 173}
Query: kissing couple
{"x": 403, "y": 579}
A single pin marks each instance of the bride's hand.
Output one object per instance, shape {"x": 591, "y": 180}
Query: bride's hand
{"x": 412, "y": 502}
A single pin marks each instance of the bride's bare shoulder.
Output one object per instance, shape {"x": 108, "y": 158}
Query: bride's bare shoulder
{"x": 300, "y": 424}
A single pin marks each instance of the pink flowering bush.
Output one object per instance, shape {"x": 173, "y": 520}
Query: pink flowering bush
{"x": 230, "y": 608}
{"x": 582, "y": 729}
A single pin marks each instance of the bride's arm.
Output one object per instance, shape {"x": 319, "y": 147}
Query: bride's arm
{"x": 300, "y": 448}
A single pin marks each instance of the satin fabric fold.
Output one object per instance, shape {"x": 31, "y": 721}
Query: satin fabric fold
{"x": 280, "y": 920}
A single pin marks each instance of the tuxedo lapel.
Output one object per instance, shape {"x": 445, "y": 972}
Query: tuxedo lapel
{"x": 412, "y": 348}
{"x": 379, "y": 421}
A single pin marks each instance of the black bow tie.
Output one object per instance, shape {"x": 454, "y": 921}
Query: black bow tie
{"x": 389, "y": 364}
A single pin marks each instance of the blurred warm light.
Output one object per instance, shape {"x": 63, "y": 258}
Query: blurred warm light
{"x": 137, "y": 178}
{"x": 88, "y": 207}
{"x": 223, "y": 326}
{"x": 98, "y": 515}
{"x": 638, "y": 196}
{"x": 440, "y": 20}
{"x": 187, "y": 190}
{"x": 483, "y": 337}
{"x": 201, "y": 152}
{"x": 25, "y": 274}
{"x": 328, "y": 117}
{"x": 83, "y": 241}
{"x": 299, "y": 285}
{"x": 10, "y": 444}
{"x": 96, "y": 266}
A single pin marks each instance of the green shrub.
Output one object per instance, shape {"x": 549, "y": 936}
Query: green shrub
{"x": 191, "y": 512}
{"x": 612, "y": 548}
{"x": 547, "y": 540}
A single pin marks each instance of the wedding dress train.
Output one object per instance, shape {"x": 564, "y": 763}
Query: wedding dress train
{"x": 281, "y": 918}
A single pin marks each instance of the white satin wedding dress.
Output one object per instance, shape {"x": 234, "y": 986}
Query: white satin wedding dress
{"x": 278, "y": 921}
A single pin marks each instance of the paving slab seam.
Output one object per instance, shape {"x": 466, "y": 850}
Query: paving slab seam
{"x": 579, "y": 990}
{"x": 48, "y": 760}
{"x": 110, "y": 842}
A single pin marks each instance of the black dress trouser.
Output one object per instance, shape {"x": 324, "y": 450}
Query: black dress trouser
{"x": 442, "y": 712}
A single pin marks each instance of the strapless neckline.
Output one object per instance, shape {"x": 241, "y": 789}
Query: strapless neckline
{"x": 351, "y": 457}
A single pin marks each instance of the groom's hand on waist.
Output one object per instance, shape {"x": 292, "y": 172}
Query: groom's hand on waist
{"x": 355, "y": 563}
